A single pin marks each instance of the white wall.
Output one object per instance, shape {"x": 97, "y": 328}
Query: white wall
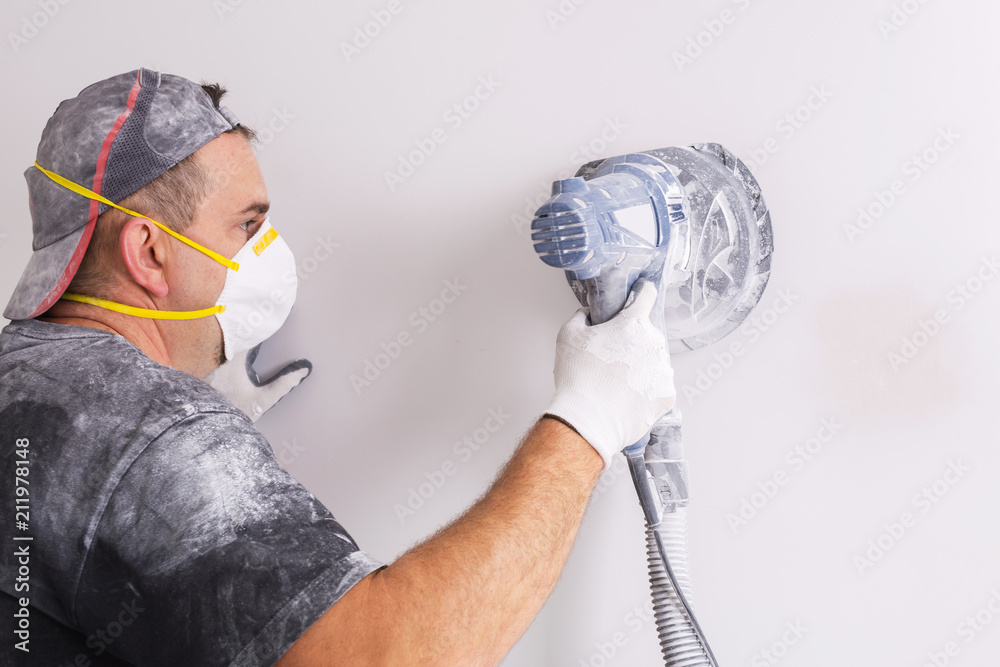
{"x": 854, "y": 300}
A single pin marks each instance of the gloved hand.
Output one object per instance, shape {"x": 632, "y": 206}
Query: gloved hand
{"x": 238, "y": 381}
{"x": 613, "y": 380}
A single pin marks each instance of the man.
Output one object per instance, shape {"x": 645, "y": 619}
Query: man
{"x": 158, "y": 527}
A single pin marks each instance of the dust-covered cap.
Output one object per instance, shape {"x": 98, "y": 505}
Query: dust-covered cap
{"x": 116, "y": 136}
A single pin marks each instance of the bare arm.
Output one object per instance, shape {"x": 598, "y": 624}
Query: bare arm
{"x": 466, "y": 595}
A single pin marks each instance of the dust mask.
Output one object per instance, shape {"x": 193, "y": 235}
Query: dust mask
{"x": 257, "y": 298}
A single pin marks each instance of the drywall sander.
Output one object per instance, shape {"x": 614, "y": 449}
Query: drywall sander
{"x": 692, "y": 220}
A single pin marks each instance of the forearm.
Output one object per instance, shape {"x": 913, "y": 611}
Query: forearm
{"x": 467, "y": 594}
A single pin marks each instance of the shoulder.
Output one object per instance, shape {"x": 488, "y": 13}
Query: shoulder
{"x": 92, "y": 371}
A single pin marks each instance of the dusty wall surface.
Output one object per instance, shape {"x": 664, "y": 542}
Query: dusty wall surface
{"x": 843, "y": 462}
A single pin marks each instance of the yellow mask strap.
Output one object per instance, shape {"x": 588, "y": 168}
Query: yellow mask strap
{"x": 143, "y": 312}
{"x": 90, "y": 194}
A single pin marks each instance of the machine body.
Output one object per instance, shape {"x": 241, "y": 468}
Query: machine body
{"x": 691, "y": 220}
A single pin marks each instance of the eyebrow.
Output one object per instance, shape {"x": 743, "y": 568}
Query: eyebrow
{"x": 260, "y": 208}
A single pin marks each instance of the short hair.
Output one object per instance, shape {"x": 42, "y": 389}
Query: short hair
{"x": 172, "y": 199}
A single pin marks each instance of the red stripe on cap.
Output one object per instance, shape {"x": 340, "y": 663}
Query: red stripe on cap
{"x": 102, "y": 162}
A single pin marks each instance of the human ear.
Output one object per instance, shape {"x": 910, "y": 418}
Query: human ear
{"x": 143, "y": 249}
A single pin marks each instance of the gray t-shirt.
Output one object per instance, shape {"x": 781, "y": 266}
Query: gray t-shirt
{"x": 164, "y": 532}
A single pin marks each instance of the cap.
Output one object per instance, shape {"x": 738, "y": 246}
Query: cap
{"x": 116, "y": 136}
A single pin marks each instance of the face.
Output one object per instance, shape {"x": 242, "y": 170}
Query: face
{"x": 233, "y": 211}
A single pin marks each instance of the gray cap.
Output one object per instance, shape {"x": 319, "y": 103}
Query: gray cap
{"x": 116, "y": 136}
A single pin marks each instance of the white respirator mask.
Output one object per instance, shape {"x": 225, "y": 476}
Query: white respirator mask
{"x": 257, "y": 298}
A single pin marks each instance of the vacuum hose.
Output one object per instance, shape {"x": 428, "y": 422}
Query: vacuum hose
{"x": 681, "y": 638}
{"x": 660, "y": 476}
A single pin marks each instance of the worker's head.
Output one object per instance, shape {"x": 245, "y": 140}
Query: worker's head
{"x": 183, "y": 168}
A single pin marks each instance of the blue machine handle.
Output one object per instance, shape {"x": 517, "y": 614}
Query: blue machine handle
{"x": 611, "y": 229}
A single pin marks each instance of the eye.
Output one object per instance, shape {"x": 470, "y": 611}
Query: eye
{"x": 250, "y": 227}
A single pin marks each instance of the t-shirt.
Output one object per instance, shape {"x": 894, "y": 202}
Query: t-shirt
{"x": 162, "y": 529}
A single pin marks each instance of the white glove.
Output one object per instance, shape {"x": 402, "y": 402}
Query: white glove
{"x": 613, "y": 380}
{"x": 238, "y": 381}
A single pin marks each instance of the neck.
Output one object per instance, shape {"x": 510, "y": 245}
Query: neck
{"x": 149, "y": 335}
{"x": 141, "y": 333}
